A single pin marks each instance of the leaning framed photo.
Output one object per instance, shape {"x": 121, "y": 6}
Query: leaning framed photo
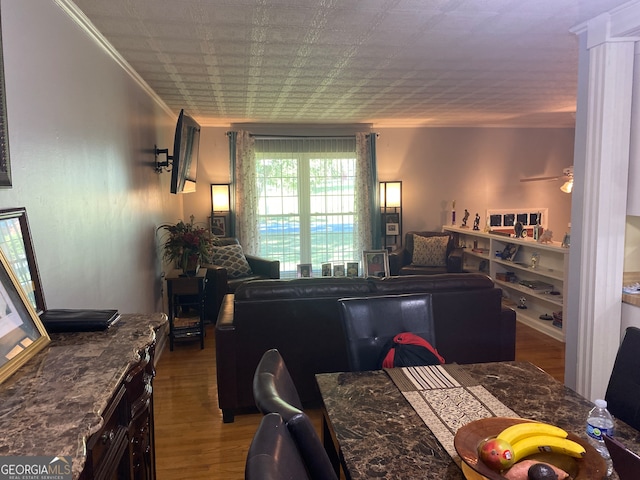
{"x": 375, "y": 263}
{"x": 304, "y": 270}
{"x": 22, "y": 335}
{"x": 219, "y": 226}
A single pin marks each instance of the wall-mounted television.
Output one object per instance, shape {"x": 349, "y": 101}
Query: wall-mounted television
{"x": 184, "y": 162}
{"x": 186, "y": 146}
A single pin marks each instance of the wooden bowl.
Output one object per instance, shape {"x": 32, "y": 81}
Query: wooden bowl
{"x": 467, "y": 439}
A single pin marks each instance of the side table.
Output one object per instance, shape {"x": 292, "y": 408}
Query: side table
{"x": 180, "y": 286}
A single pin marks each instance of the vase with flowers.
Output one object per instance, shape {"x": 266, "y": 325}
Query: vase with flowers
{"x": 188, "y": 246}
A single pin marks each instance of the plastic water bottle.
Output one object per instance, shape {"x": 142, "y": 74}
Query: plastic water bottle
{"x": 600, "y": 422}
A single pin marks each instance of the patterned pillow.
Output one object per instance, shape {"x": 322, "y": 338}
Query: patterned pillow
{"x": 430, "y": 251}
{"x": 232, "y": 258}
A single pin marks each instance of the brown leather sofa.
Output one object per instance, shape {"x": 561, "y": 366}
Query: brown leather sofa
{"x": 219, "y": 284}
{"x": 401, "y": 260}
{"x": 300, "y": 317}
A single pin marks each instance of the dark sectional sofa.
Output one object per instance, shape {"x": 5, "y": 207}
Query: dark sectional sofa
{"x": 300, "y": 318}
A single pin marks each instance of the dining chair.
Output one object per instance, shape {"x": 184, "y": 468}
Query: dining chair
{"x": 370, "y": 323}
{"x": 275, "y": 392}
{"x": 623, "y": 391}
{"x": 273, "y": 454}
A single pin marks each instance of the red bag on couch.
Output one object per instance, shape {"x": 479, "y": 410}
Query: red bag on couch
{"x": 410, "y": 350}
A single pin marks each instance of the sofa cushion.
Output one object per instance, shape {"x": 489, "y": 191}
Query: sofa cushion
{"x": 430, "y": 251}
{"x": 231, "y": 257}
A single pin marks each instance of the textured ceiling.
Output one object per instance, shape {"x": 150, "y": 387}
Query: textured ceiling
{"x": 386, "y": 62}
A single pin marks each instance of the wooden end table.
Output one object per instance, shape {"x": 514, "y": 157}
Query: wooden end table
{"x": 180, "y": 286}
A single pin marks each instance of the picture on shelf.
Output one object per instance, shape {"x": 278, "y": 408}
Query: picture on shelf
{"x": 392, "y": 228}
{"x": 375, "y": 263}
{"x": 338, "y": 270}
{"x": 304, "y": 270}
{"x": 326, "y": 269}
{"x": 219, "y": 226}
{"x": 509, "y": 252}
{"x": 352, "y": 269}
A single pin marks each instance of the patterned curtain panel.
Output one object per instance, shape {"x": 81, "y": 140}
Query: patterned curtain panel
{"x": 245, "y": 193}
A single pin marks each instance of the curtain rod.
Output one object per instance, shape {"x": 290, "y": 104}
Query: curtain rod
{"x": 287, "y": 137}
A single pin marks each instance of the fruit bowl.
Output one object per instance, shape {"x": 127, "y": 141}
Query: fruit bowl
{"x": 467, "y": 438}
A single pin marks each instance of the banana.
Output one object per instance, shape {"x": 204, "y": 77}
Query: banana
{"x": 546, "y": 443}
{"x": 520, "y": 431}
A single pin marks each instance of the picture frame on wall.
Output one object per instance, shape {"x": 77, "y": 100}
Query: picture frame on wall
{"x": 392, "y": 228}
{"x": 22, "y": 334}
{"x": 375, "y": 263}
{"x": 219, "y": 226}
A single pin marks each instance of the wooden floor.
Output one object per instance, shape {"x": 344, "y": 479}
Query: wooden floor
{"x": 192, "y": 442}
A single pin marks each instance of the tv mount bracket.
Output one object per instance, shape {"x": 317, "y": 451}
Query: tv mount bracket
{"x": 162, "y": 165}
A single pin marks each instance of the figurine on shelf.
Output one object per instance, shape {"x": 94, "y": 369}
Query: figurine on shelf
{"x": 465, "y": 218}
{"x": 523, "y": 303}
{"x": 546, "y": 237}
{"x": 476, "y": 223}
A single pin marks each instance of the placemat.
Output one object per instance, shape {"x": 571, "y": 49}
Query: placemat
{"x": 446, "y": 398}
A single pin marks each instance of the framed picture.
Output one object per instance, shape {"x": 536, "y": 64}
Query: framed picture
{"x": 375, "y": 263}
{"x": 392, "y": 228}
{"x": 219, "y": 226}
{"x": 326, "y": 269}
{"x": 304, "y": 270}
{"x": 22, "y": 335}
{"x": 5, "y": 165}
{"x": 338, "y": 270}
{"x": 352, "y": 269}
{"x": 509, "y": 252}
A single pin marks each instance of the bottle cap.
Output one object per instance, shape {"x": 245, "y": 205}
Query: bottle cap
{"x": 601, "y": 403}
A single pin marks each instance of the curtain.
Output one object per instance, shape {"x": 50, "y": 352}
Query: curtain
{"x": 367, "y": 195}
{"x": 245, "y": 193}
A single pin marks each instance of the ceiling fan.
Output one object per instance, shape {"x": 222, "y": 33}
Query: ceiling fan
{"x": 566, "y": 173}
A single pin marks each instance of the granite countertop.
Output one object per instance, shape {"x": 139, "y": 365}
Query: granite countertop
{"x": 54, "y": 402}
{"x": 381, "y": 434}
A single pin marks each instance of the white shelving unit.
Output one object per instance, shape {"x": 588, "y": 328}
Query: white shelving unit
{"x": 533, "y": 262}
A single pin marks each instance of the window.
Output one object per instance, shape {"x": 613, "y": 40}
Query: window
{"x": 306, "y": 201}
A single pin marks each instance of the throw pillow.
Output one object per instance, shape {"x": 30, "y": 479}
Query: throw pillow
{"x": 232, "y": 258}
{"x": 430, "y": 251}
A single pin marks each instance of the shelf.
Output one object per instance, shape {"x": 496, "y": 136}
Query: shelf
{"x": 551, "y": 267}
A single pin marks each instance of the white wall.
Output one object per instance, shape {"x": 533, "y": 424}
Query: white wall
{"x": 81, "y": 135}
{"x": 479, "y": 168}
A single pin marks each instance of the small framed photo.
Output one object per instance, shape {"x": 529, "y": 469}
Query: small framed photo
{"x": 219, "y": 226}
{"x": 352, "y": 269}
{"x": 509, "y": 252}
{"x": 22, "y": 334}
{"x": 304, "y": 270}
{"x": 326, "y": 269}
{"x": 392, "y": 228}
{"x": 338, "y": 270}
{"x": 375, "y": 263}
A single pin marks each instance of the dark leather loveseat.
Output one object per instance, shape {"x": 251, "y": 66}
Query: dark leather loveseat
{"x": 300, "y": 317}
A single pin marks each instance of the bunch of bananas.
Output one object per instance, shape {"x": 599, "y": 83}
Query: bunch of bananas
{"x": 534, "y": 437}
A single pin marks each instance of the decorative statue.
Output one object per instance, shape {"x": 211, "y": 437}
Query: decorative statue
{"x": 546, "y": 237}
{"x": 476, "y": 223}
{"x": 465, "y": 218}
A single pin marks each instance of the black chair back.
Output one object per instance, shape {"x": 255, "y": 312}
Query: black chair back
{"x": 275, "y": 392}
{"x": 273, "y": 454}
{"x": 370, "y": 323}
{"x": 273, "y": 388}
{"x": 623, "y": 391}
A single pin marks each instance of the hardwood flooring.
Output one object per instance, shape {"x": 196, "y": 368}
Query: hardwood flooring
{"x": 192, "y": 443}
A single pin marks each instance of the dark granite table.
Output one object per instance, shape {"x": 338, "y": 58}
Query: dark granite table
{"x": 54, "y": 402}
{"x": 380, "y": 435}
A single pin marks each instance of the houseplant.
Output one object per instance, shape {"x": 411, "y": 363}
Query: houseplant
{"x": 188, "y": 246}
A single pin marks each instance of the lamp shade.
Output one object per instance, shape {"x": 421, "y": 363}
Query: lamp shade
{"x": 220, "y": 198}
{"x": 567, "y": 186}
{"x": 391, "y": 194}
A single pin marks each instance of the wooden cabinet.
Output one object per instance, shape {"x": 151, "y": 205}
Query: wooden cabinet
{"x": 124, "y": 447}
{"x": 533, "y": 276}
